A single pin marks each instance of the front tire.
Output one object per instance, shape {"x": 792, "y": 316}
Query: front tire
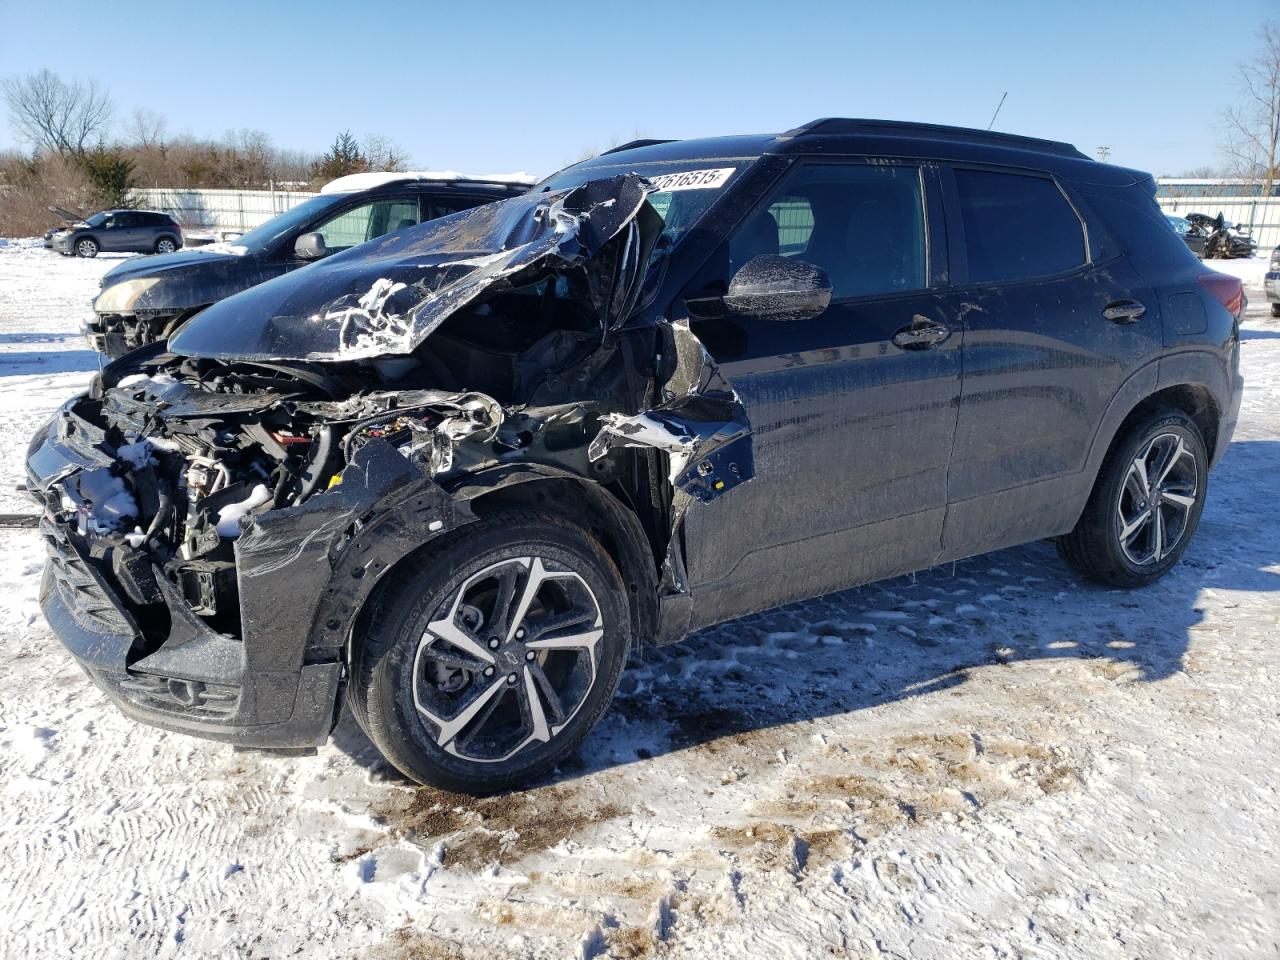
{"x": 87, "y": 247}
{"x": 1275, "y": 309}
{"x": 486, "y": 663}
{"x": 1145, "y": 505}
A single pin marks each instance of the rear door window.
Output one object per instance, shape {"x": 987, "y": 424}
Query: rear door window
{"x": 1017, "y": 226}
{"x": 444, "y": 206}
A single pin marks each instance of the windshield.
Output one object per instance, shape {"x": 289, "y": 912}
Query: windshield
{"x": 295, "y": 218}
{"x": 686, "y": 188}
{"x": 97, "y": 220}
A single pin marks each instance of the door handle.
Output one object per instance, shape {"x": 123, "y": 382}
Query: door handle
{"x": 921, "y": 334}
{"x": 1123, "y": 311}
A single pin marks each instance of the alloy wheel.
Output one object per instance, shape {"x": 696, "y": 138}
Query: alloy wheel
{"x": 165, "y": 246}
{"x": 1156, "y": 500}
{"x": 508, "y": 660}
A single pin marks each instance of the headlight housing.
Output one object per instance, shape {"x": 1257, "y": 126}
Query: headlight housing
{"x": 120, "y": 297}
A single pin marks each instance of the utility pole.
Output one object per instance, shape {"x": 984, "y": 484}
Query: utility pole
{"x": 1103, "y": 153}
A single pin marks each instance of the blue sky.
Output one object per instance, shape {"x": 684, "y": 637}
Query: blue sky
{"x": 484, "y": 87}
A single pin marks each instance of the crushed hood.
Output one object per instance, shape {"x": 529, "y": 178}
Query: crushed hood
{"x": 385, "y": 297}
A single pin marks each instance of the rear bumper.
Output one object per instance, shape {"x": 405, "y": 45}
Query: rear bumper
{"x": 197, "y": 682}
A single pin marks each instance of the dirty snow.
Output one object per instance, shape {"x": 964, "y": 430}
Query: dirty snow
{"x": 988, "y": 760}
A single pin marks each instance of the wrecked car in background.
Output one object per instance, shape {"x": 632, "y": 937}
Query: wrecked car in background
{"x": 146, "y": 300}
{"x": 462, "y": 470}
{"x": 1192, "y": 235}
{"x": 1223, "y": 240}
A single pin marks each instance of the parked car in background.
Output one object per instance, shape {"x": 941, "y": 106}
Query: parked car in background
{"x": 1271, "y": 283}
{"x": 115, "y": 231}
{"x": 1224, "y": 240}
{"x": 146, "y": 300}
{"x": 462, "y": 470}
{"x": 1192, "y": 235}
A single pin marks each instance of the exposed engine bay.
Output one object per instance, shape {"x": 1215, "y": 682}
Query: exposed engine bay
{"x": 219, "y": 508}
{"x": 201, "y": 447}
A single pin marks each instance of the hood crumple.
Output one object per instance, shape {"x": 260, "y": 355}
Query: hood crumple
{"x": 385, "y": 297}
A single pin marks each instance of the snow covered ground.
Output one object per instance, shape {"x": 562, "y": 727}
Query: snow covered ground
{"x": 991, "y": 760}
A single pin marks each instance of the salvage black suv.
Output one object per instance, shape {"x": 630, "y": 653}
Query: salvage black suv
{"x": 146, "y": 300}
{"x": 461, "y": 471}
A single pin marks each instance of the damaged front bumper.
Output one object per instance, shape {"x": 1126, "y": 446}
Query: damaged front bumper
{"x": 301, "y": 572}
{"x": 115, "y": 334}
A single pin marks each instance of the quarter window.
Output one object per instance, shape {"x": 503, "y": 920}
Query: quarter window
{"x": 1017, "y": 226}
{"x": 862, "y": 223}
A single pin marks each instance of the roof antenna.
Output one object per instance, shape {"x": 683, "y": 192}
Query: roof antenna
{"x": 997, "y": 113}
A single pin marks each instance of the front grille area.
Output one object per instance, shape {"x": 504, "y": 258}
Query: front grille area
{"x": 79, "y": 586}
{"x": 192, "y": 698}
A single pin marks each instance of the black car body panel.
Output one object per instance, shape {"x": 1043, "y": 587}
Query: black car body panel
{"x": 143, "y": 301}
{"x": 580, "y": 347}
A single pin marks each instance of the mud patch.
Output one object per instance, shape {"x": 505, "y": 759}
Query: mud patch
{"x": 479, "y": 831}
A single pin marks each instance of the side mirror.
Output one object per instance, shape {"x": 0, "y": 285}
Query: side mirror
{"x": 769, "y": 287}
{"x": 310, "y": 246}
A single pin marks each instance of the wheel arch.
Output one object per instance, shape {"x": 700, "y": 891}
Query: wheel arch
{"x": 550, "y": 490}
{"x": 1194, "y": 399}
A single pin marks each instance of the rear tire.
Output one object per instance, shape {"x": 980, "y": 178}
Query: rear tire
{"x": 87, "y": 247}
{"x": 166, "y": 245}
{"x": 1275, "y": 309}
{"x": 489, "y": 659}
{"x": 1145, "y": 505}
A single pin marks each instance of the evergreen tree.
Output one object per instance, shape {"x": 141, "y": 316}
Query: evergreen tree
{"x": 344, "y": 157}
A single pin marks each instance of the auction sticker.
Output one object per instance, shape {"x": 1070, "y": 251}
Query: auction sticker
{"x": 693, "y": 179}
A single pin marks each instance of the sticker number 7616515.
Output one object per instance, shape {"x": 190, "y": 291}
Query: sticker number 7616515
{"x": 692, "y": 179}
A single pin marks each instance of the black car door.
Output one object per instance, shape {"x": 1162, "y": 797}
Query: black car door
{"x": 852, "y": 412}
{"x": 1054, "y": 325}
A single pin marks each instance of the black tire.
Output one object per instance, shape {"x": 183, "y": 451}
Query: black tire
{"x": 172, "y": 245}
{"x": 1094, "y": 547}
{"x": 383, "y": 692}
{"x": 86, "y": 247}
{"x": 1275, "y": 309}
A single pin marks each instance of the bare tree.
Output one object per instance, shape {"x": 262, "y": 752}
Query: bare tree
{"x": 1253, "y": 126}
{"x": 383, "y": 153}
{"x": 52, "y": 114}
{"x": 146, "y": 129}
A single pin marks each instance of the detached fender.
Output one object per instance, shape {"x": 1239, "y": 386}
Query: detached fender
{"x": 305, "y": 571}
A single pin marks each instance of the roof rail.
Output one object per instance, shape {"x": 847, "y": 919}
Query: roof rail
{"x": 632, "y": 144}
{"x": 899, "y": 128}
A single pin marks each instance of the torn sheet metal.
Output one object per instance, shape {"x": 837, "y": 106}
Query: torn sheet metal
{"x": 385, "y": 297}
{"x": 700, "y": 423}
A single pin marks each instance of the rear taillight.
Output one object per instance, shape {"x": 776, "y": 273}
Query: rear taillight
{"x": 1226, "y": 289}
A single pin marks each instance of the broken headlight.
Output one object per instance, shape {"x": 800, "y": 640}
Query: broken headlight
{"x": 120, "y": 297}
